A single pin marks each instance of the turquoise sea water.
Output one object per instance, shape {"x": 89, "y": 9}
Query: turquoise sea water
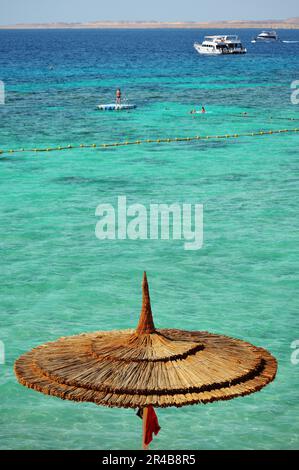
{"x": 58, "y": 279}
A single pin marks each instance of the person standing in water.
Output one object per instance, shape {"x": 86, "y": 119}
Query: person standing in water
{"x": 203, "y": 109}
{"x": 118, "y": 96}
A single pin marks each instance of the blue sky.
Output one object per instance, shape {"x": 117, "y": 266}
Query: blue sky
{"x": 30, "y": 11}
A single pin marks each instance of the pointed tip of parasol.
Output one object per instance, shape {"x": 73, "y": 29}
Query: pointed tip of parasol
{"x": 146, "y": 322}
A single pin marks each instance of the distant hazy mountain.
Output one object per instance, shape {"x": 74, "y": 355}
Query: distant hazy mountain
{"x": 290, "y": 23}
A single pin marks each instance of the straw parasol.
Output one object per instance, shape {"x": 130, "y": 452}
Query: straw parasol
{"x": 146, "y": 366}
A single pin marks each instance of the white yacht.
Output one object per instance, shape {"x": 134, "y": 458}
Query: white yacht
{"x": 216, "y": 45}
{"x": 266, "y": 36}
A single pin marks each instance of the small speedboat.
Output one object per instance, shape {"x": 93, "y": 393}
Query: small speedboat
{"x": 266, "y": 36}
{"x": 116, "y": 107}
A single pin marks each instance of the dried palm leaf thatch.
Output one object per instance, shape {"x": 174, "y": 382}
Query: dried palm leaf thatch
{"x": 146, "y": 366}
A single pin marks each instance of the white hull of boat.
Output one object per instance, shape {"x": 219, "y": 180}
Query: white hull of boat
{"x": 205, "y": 51}
{"x": 264, "y": 40}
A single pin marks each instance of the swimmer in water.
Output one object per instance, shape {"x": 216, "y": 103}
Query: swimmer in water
{"x": 203, "y": 109}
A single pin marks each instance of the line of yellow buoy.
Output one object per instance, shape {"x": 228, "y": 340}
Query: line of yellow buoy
{"x": 151, "y": 141}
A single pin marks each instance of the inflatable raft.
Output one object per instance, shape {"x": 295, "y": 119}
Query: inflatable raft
{"x": 115, "y": 107}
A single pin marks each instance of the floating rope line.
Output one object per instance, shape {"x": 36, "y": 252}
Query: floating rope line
{"x": 284, "y": 118}
{"x": 248, "y": 115}
{"x": 152, "y": 141}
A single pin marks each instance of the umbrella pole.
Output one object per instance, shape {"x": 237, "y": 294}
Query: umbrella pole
{"x": 144, "y": 420}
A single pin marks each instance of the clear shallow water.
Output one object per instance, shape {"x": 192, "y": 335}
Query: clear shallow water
{"x": 58, "y": 279}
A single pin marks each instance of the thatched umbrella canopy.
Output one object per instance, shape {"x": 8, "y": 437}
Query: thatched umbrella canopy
{"x": 146, "y": 366}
